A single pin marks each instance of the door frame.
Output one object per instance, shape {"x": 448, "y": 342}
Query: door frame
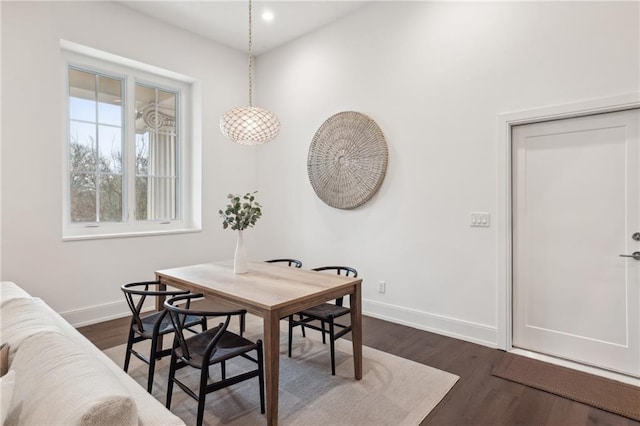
{"x": 504, "y": 249}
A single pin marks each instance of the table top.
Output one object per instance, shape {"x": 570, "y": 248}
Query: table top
{"x": 265, "y": 287}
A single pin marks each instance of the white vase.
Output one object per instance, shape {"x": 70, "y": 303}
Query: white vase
{"x": 240, "y": 263}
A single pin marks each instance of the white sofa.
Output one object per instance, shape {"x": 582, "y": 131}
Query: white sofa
{"x": 61, "y": 378}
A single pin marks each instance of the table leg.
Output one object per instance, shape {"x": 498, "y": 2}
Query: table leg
{"x": 159, "y": 307}
{"x": 272, "y": 364}
{"x": 355, "y": 301}
{"x": 160, "y": 299}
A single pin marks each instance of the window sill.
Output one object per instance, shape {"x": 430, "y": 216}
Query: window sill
{"x": 130, "y": 234}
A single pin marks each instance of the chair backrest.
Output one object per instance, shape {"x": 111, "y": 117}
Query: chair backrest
{"x": 142, "y": 290}
{"x": 347, "y": 271}
{"x": 178, "y": 316}
{"x": 291, "y": 262}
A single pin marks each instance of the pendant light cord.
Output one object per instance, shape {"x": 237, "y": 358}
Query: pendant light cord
{"x": 250, "y": 61}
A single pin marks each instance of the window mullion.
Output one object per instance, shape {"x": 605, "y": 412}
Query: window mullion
{"x": 130, "y": 148}
{"x": 97, "y": 147}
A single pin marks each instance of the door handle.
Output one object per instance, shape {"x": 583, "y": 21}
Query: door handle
{"x": 635, "y": 255}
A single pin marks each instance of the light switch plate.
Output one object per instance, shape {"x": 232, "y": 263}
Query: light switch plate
{"x": 479, "y": 219}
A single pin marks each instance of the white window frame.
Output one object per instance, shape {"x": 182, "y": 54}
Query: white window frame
{"x": 189, "y": 147}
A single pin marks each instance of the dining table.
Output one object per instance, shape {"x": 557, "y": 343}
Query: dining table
{"x": 273, "y": 292}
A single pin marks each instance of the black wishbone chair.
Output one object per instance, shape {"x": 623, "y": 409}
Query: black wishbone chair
{"x": 291, "y": 262}
{"x": 213, "y": 346}
{"x": 151, "y": 326}
{"x": 326, "y": 313}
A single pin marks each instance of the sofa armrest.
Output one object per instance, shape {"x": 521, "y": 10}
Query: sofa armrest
{"x": 59, "y": 384}
{"x": 23, "y": 318}
{"x": 10, "y": 291}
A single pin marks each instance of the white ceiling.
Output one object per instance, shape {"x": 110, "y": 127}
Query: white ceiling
{"x": 227, "y": 22}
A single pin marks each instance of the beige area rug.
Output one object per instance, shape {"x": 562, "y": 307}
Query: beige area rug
{"x": 610, "y": 395}
{"x": 393, "y": 390}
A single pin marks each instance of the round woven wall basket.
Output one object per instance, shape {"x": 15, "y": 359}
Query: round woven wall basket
{"x": 347, "y": 160}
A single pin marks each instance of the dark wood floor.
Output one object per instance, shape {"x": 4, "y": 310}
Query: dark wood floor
{"x": 478, "y": 398}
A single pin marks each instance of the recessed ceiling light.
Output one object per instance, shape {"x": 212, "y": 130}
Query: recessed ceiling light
{"x": 267, "y": 15}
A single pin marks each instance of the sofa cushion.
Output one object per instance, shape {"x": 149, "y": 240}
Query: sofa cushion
{"x": 59, "y": 384}
{"x": 10, "y": 291}
{"x": 22, "y": 318}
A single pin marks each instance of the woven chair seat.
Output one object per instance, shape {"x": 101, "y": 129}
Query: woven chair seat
{"x": 166, "y": 327}
{"x": 229, "y": 346}
{"x": 324, "y": 311}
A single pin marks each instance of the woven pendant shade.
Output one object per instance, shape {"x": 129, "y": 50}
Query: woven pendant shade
{"x": 249, "y": 125}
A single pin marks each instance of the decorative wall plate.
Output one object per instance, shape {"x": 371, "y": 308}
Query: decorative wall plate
{"x": 347, "y": 160}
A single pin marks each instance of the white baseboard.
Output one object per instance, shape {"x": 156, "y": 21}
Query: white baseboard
{"x": 98, "y": 313}
{"x": 105, "y": 312}
{"x": 459, "y": 329}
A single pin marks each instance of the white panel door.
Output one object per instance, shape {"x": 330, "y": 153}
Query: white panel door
{"x": 576, "y": 206}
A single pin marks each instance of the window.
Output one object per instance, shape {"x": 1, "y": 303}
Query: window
{"x": 95, "y": 147}
{"x": 129, "y": 163}
{"x": 156, "y": 154}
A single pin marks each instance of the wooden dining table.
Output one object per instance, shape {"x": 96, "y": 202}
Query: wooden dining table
{"x": 272, "y": 292}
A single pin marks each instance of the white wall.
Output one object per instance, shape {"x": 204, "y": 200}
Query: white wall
{"x": 434, "y": 76}
{"x": 81, "y": 279}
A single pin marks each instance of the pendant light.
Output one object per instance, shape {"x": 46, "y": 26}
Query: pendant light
{"x": 249, "y": 125}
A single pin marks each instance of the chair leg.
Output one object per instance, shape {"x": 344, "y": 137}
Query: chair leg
{"x": 172, "y": 373}
{"x": 261, "y": 375}
{"x": 333, "y": 346}
{"x": 302, "y": 325}
{"x": 204, "y": 323}
{"x": 223, "y": 369}
{"x": 127, "y": 356}
{"x": 290, "y": 333}
{"x": 242, "y": 324}
{"x": 152, "y": 364}
{"x": 324, "y": 340}
{"x": 202, "y": 395}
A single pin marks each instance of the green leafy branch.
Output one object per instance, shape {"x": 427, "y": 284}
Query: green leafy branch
{"x": 242, "y": 212}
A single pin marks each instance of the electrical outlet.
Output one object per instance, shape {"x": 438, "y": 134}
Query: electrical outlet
{"x": 382, "y": 287}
